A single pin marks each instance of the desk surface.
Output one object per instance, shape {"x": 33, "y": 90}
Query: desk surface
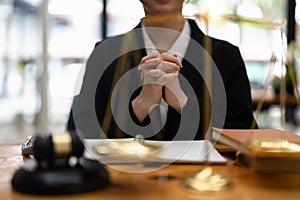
{"x": 247, "y": 184}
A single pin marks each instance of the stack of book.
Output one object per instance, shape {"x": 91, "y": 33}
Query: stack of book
{"x": 263, "y": 150}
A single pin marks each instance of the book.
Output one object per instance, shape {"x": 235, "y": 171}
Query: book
{"x": 263, "y": 150}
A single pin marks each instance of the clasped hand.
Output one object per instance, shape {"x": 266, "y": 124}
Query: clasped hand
{"x": 159, "y": 73}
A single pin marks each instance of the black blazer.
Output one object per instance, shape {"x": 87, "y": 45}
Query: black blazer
{"x": 229, "y": 101}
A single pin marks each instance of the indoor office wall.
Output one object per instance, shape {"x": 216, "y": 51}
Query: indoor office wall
{"x": 72, "y": 29}
{"x": 18, "y": 66}
{"x": 74, "y": 26}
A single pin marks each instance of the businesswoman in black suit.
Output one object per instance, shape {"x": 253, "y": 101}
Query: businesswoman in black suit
{"x": 164, "y": 80}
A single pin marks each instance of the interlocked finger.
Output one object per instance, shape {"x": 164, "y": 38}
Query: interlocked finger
{"x": 168, "y": 67}
{"x": 166, "y": 78}
{"x": 171, "y": 58}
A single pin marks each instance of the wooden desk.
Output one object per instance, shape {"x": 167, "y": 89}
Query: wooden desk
{"x": 247, "y": 185}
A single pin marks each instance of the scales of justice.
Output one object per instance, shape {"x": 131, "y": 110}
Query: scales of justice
{"x": 206, "y": 180}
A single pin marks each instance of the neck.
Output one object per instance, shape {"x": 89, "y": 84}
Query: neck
{"x": 173, "y": 21}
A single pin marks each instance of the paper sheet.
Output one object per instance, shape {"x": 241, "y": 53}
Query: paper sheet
{"x": 172, "y": 151}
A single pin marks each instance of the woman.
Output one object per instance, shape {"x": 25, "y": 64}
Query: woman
{"x": 152, "y": 81}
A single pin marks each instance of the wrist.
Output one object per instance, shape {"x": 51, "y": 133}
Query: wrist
{"x": 179, "y": 101}
{"x": 140, "y": 108}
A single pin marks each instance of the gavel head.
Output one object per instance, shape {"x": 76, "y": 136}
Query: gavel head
{"x": 57, "y": 145}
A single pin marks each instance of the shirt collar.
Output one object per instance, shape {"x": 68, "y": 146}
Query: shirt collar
{"x": 179, "y": 47}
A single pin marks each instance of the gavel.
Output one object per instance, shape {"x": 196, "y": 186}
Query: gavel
{"x": 50, "y": 172}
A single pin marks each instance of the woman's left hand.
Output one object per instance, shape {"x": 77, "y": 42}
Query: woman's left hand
{"x": 173, "y": 94}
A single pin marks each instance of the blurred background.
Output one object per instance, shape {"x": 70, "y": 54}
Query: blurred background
{"x": 45, "y": 42}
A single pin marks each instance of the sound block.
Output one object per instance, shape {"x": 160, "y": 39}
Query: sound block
{"x": 86, "y": 175}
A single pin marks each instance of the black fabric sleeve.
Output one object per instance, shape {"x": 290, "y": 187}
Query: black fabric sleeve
{"x": 237, "y": 85}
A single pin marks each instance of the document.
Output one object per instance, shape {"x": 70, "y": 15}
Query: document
{"x": 199, "y": 151}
